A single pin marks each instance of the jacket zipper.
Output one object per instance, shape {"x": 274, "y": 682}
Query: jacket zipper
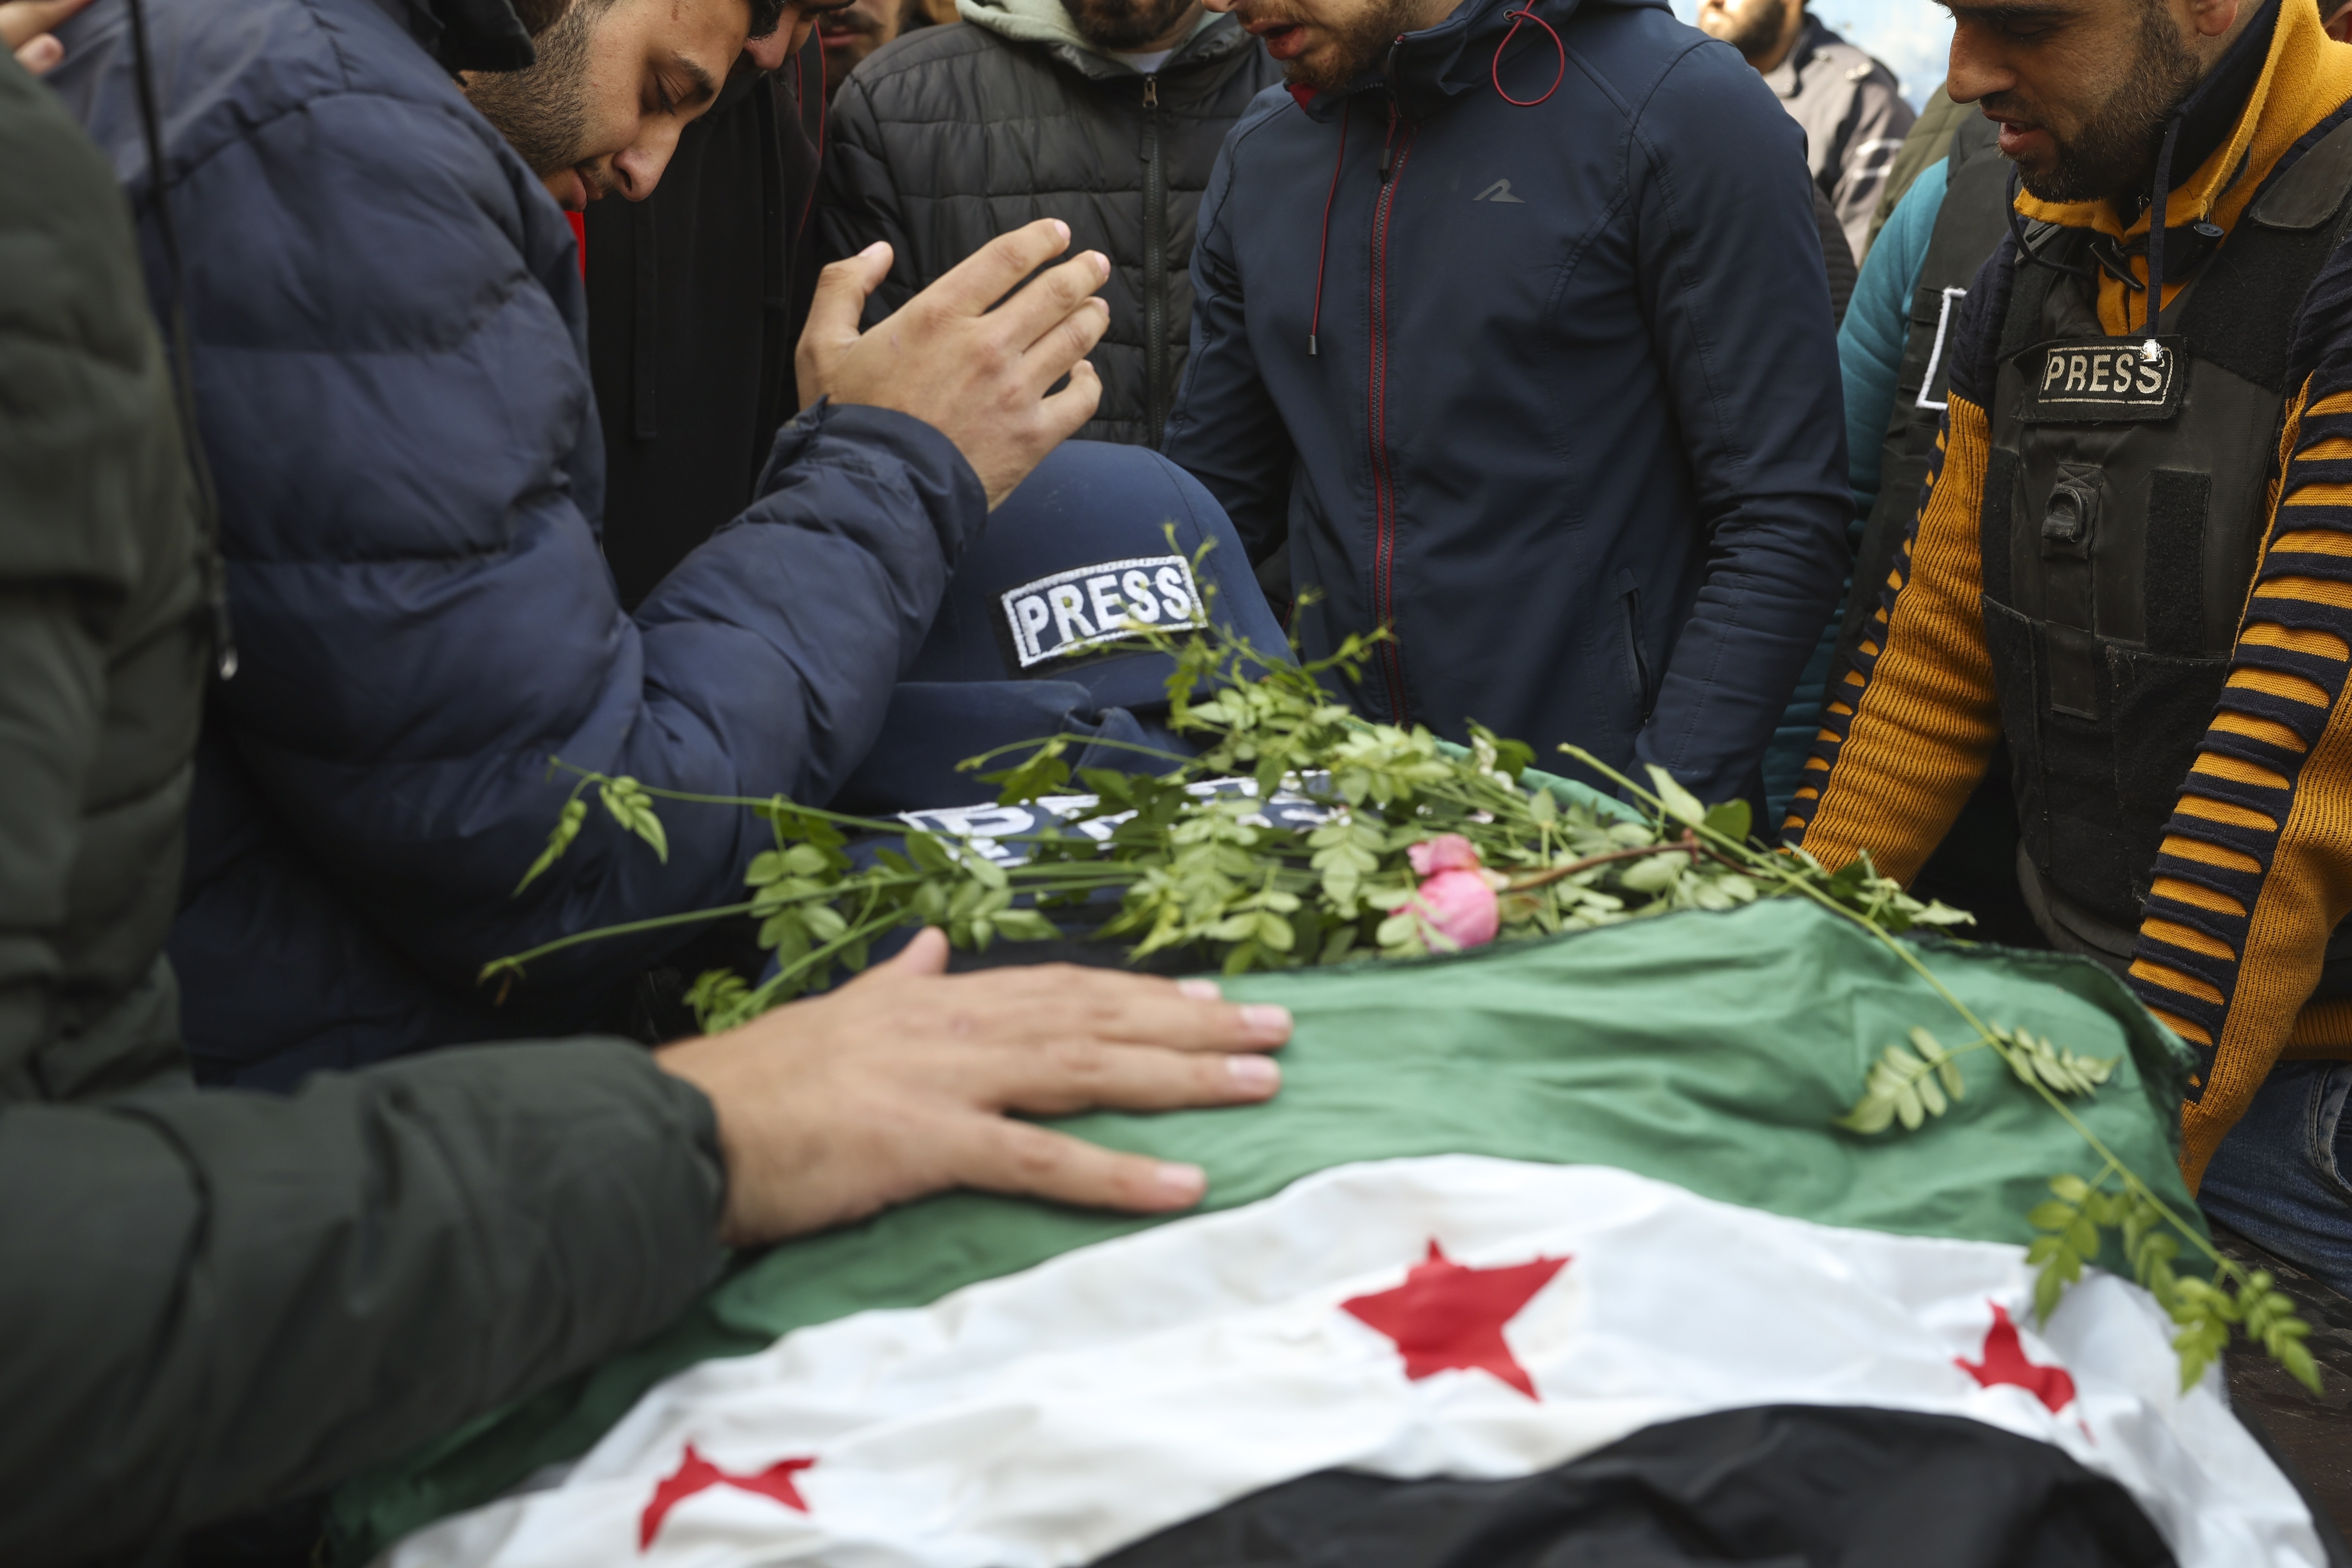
{"x": 1155, "y": 269}
{"x": 1393, "y": 155}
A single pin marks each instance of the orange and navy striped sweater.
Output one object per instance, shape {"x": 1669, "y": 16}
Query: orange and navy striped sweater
{"x": 2255, "y": 868}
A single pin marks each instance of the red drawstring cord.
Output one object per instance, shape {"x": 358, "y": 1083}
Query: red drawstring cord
{"x": 1323, "y": 246}
{"x": 800, "y": 87}
{"x": 1495, "y": 71}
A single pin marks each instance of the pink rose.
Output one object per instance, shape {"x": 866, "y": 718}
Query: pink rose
{"x": 1458, "y": 905}
{"x": 1446, "y": 852}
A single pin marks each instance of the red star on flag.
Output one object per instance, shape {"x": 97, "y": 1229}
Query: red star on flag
{"x": 695, "y": 1473}
{"x": 1446, "y": 1317}
{"x": 2004, "y": 1362}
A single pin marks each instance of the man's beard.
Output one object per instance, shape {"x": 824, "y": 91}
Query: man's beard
{"x": 542, "y": 111}
{"x": 1125, "y": 26}
{"x": 1763, "y": 29}
{"x": 1353, "y": 50}
{"x": 2115, "y": 152}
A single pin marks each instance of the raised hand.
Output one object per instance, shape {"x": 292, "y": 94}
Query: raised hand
{"x": 954, "y": 357}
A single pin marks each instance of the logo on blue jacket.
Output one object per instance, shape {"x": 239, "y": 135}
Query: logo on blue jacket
{"x": 1074, "y": 613}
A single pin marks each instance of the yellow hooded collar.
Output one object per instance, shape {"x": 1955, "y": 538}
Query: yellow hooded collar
{"x": 2305, "y": 77}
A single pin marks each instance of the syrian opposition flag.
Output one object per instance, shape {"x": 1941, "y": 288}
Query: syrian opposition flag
{"x": 1544, "y": 1255}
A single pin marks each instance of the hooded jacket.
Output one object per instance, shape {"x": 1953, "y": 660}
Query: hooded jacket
{"x": 392, "y": 379}
{"x": 1551, "y": 392}
{"x": 947, "y": 137}
{"x": 212, "y": 1302}
{"x": 2254, "y": 869}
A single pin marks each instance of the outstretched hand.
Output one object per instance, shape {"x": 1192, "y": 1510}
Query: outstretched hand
{"x": 901, "y": 1083}
{"x": 976, "y": 370}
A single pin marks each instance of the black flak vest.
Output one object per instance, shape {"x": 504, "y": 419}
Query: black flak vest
{"x": 2126, "y": 499}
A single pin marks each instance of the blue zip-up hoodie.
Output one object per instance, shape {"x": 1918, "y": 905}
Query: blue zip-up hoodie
{"x": 1570, "y": 421}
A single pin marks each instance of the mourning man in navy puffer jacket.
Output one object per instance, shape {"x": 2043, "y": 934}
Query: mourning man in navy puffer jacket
{"x": 390, "y": 379}
{"x": 1551, "y": 391}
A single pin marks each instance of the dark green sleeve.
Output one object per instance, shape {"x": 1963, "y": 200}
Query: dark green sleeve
{"x": 210, "y": 1302}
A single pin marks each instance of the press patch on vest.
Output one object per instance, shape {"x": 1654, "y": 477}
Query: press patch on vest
{"x": 1076, "y": 613}
{"x": 2096, "y": 380}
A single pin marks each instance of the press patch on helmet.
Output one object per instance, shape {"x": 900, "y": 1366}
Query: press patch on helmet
{"x": 1079, "y": 612}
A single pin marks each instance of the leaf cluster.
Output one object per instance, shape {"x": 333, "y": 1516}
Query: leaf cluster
{"x": 1909, "y": 1087}
{"x": 2073, "y": 1224}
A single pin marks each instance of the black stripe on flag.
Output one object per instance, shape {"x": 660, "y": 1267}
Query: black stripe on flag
{"x": 1788, "y": 1486}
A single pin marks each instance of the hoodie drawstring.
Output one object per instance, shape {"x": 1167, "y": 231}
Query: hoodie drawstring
{"x": 1494, "y": 69}
{"x": 1323, "y": 245}
{"x": 2161, "y": 200}
{"x": 1494, "y": 73}
{"x": 2025, "y": 247}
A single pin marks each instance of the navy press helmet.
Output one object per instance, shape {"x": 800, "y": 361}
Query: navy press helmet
{"x": 1029, "y": 641}
{"x": 1095, "y": 534}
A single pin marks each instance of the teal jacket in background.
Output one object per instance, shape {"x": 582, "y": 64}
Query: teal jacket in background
{"x": 1870, "y": 352}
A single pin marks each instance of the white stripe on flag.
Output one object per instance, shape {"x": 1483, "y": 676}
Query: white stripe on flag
{"x": 1052, "y": 1416}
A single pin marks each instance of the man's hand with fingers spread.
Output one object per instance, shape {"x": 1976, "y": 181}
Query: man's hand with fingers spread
{"x": 954, "y": 357}
{"x": 899, "y": 1083}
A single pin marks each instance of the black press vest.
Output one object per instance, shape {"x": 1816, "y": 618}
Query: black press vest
{"x": 2125, "y": 498}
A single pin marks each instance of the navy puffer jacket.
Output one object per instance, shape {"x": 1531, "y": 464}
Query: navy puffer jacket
{"x": 1573, "y": 423}
{"x": 392, "y": 379}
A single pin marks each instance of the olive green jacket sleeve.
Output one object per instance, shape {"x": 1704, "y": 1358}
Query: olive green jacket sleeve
{"x": 212, "y": 1302}
{"x": 209, "y": 1302}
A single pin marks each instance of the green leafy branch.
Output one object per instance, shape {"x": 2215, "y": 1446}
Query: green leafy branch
{"x": 1189, "y": 860}
{"x": 1902, "y": 1086}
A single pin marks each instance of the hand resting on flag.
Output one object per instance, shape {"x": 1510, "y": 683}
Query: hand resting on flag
{"x": 899, "y": 1083}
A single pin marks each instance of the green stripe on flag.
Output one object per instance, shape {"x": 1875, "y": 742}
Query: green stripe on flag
{"x": 1709, "y": 1050}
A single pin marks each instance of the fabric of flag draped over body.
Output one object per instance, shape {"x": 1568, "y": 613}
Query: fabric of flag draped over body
{"x": 1555, "y": 1240}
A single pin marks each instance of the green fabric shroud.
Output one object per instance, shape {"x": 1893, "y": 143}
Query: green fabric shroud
{"x": 1710, "y": 1050}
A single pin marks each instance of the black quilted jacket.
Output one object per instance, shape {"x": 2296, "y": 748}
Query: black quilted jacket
{"x": 952, "y": 135}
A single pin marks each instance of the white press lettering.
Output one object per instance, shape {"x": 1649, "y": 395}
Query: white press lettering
{"x": 1109, "y": 613}
{"x": 1140, "y": 605}
{"x": 1033, "y": 616}
{"x": 2056, "y": 367}
{"x": 1069, "y": 610}
{"x": 2077, "y": 369}
{"x": 1172, "y": 595}
{"x": 2150, "y": 378}
{"x": 2099, "y": 374}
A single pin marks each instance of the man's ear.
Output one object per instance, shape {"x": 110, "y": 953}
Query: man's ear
{"x": 2215, "y": 18}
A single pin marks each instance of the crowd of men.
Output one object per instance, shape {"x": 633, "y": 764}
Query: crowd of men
{"x": 406, "y": 393}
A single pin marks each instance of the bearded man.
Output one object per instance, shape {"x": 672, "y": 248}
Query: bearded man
{"x": 384, "y": 326}
{"x": 1511, "y": 322}
{"x": 2132, "y": 562}
{"x": 1105, "y": 114}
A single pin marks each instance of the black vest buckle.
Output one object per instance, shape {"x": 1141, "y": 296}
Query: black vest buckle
{"x": 2071, "y": 516}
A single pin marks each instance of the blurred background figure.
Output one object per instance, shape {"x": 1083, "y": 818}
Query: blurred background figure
{"x": 696, "y": 297}
{"x": 1851, "y": 106}
{"x": 1104, "y": 113}
{"x": 859, "y": 28}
